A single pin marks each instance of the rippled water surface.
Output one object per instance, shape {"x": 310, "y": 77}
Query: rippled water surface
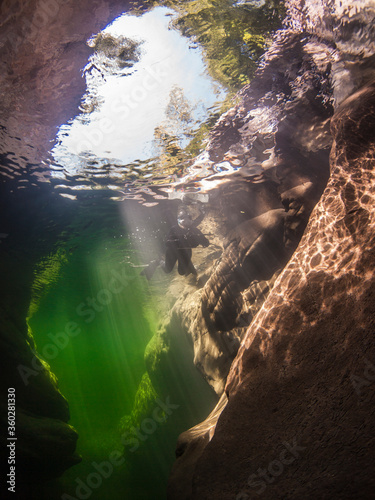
{"x": 155, "y": 84}
{"x": 139, "y": 114}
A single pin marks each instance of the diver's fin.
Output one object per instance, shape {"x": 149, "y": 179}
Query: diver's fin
{"x": 190, "y": 270}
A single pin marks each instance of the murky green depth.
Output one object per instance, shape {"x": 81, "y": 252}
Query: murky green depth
{"x": 95, "y": 319}
{"x": 113, "y": 313}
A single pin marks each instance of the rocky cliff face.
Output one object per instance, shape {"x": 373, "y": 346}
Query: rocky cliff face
{"x": 299, "y": 417}
{"x": 301, "y": 385}
{"x": 45, "y": 441}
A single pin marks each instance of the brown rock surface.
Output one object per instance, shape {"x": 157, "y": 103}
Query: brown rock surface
{"x": 302, "y": 380}
{"x": 304, "y": 374}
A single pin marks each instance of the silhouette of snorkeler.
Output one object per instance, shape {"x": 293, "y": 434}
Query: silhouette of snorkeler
{"x": 179, "y": 243}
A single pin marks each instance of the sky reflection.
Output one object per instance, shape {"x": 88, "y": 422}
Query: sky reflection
{"x": 134, "y": 102}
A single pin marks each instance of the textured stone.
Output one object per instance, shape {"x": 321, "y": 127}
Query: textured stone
{"x": 190, "y": 446}
{"x": 305, "y": 370}
{"x": 254, "y": 250}
{"x": 279, "y": 134}
{"x": 38, "y": 439}
{"x": 302, "y": 380}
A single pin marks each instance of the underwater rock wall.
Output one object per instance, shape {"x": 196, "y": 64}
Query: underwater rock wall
{"x": 271, "y": 155}
{"x": 301, "y": 386}
{"x": 278, "y": 136}
{"x": 299, "y": 422}
{"x": 46, "y": 442}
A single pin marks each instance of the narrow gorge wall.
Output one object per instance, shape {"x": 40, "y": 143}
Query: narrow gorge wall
{"x": 303, "y": 378}
{"x": 299, "y": 422}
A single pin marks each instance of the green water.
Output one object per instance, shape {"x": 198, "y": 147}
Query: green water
{"x": 92, "y": 314}
{"x": 113, "y": 312}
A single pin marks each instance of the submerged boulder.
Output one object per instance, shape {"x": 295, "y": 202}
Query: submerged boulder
{"x": 45, "y": 442}
{"x": 254, "y": 250}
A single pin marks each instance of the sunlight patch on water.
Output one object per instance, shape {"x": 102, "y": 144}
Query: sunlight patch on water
{"x": 167, "y": 91}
